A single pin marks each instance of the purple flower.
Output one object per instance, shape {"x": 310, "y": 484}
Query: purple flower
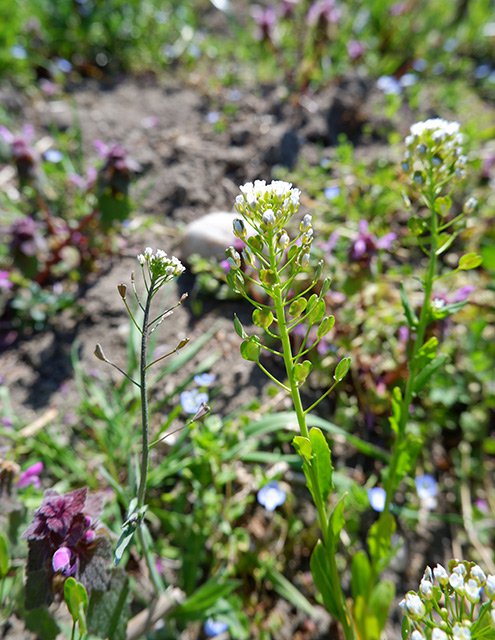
{"x": 403, "y": 334}
{"x": 266, "y": 20}
{"x": 377, "y": 498}
{"x": 271, "y": 496}
{"x": 367, "y": 244}
{"x": 31, "y": 476}
{"x": 62, "y": 561}
{"x": 5, "y": 282}
{"x": 225, "y": 264}
{"x": 462, "y": 294}
{"x": 23, "y": 154}
{"x": 191, "y": 401}
{"x": 323, "y": 12}
{"x": 213, "y": 628}
{"x": 85, "y": 183}
{"x": 355, "y": 49}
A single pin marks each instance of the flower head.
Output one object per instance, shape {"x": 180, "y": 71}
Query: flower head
{"x": 191, "y": 401}
{"x": 271, "y": 496}
{"x": 213, "y": 628}
{"x": 366, "y": 244}
{"x": 377, "y": 497}
{"x": 31, "y": 476}
{"x": 434, "y": 152}
{"x": 160, "y": 267}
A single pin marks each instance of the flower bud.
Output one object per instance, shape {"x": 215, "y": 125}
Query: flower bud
{"x": 283, "y": 241}
{"x": 304, "y": 259}
{"x": 470, "y": 205}
{"x": 98, "y": 352}
{"x": 268, "y": 218}
{"x": 239, "y": 228}
{"x": 306, "y": 222}
{"x": 233, "y": 257}
{"x": 122, "y": 289}
{"x": 61, "y": 560}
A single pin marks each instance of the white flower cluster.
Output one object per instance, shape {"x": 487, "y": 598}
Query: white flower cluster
{"x": 434, "y": 151}
{"x": 267, "y": 205}
{"x": 160, "y": 265}
{"x": 448, "y": 602}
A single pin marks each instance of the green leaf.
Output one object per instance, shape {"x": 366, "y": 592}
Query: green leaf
{"x": 379, "y": 537}
{"x": 303, "y": 447}
{"x": 326, "y": 325}
{"x": 4, "y": 556}
{"x": 380, "y": 600}
{"x": 411, "y": 317}
{"x": 423, "y": 377}
{"x": 360, "y": 575}
{"x": 262, "y": 318}
{"x": 321, "y": 576}
{"x": 239, "y": 329}
{"x": 341, "y": 369}
{"x": 251, "y": 349}
{"x": 124, "y": 541}
{"x": 429, "y": 349}
{"x": 290, "y": 593}
{"x": 297, "y": 307}
{"x": 321, "y": 462}
{"x": 302, "y": 371}
{"x": 108, "y": 611}
{"x": 445, "y": 240}
{"x": 336, "y": 522}
{"x": 42, "y": 624}
{"x": 206, "y": 596}
{"x": 76, "y": 598}
{"x": 469, "y": 261}
{"x": 396, "y": 409}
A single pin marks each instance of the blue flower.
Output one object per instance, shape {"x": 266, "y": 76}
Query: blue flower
{"x": 53, "y": 155}
{"x": 271, "y": 496}
{"x": 389, "y": 85}
{"x": 427, "y": 490}
{"x": 377, "y": 497}
{"x": 191, "y": 401}
{"x": 332, "y": 192}
{"x": 204, "y": 379}
{"x": 214, "y": 628}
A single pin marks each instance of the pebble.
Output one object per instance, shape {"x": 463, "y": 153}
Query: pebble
{"x": 209, "y": 235}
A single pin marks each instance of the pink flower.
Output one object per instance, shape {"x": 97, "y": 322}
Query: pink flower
{"x": 355, "y": 49}
{"x": 31, "y": 476}
{"x": 61, "y": 561}
{"x": 324, "y": 12}
{"x": 366, "y": 244}
{"x": 5, "y": 282}
{"x": 266, "y": 20}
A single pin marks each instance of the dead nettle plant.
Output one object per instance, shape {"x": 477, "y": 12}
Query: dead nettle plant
{"x": 277, "y": 265}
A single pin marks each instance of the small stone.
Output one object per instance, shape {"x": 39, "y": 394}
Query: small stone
{"x": 209, "y": 236}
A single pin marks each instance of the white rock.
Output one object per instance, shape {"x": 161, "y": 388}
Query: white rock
{"x": 209, "y": 236}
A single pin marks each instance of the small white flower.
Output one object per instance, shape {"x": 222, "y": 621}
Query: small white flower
{"x": 141, "y": 259}
{"x": 478, "y": 574}
{"x": 456, "y": 581}
{"x": 306, "y": 222}
{"x": 438, "y": 634}
{"x": 460, "y": 569}
{"x": 461, "y": 632}
{"x": 472, "y": 590}
{"x": 417, "y": 635}
{"x": 283, "y": 241}
{"x": 490, "y": 587}
{"x": 470, "y": 205}
{"x": 413, "y": 605}
{"x": 426, "y": 589}
{"x": 268, "y": 218}
{"x": 440, "y": 574}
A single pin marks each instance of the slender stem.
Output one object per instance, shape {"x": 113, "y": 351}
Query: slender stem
{"x": 418, "y": 343}
{"x": 278, "y": 301}
{"x": 145, "y": 437}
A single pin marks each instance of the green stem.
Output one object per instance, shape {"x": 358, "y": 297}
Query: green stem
{"x": 278, "y": 301}
{"x": 143, "y": 479}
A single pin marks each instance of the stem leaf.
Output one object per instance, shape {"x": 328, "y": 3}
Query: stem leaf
{"x": 341, "y": 369}
{"x": 411, "y": 317}
{"x": 321, "y": 463}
